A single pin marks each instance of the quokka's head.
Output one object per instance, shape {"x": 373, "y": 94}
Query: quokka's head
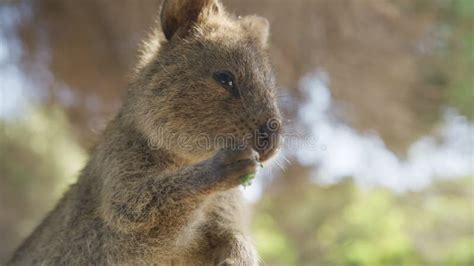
{"x": 207, "y": 83}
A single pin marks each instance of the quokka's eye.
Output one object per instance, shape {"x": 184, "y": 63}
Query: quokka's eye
{"x": 226, "y": 80}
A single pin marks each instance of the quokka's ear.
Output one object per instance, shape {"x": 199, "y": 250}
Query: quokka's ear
{"x": 178, "y": 16}
{"x": 259, "y": 27}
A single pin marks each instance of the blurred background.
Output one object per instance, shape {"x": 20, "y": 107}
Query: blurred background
{"x": 377, "y": 167}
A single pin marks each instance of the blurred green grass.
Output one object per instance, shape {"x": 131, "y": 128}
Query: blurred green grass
{"x": 344, "y": 224}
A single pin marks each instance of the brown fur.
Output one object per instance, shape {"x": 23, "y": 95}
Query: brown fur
{"x": 143, "y": 199}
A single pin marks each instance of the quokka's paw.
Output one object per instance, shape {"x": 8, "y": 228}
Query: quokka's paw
{"x": 238, "y": 262}
{"x": 231, "y": 166}
{"x": 227, "y": 262}
{"x": 239, "y": 251}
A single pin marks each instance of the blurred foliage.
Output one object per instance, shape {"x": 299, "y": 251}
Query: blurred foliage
{"x": 343, "y": 224}
{"x": 461, "y": 90}
{"x": 451, "y": 68}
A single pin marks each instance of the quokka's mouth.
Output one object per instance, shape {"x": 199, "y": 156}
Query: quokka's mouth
{"x": 267, "y": 139}
{"x": 266, "y": 156}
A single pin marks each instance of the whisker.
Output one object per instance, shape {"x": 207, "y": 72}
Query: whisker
{"x": 285, "y": 159}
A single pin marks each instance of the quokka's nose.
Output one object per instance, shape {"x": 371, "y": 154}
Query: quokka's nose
{"x": 267, "y": 139}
